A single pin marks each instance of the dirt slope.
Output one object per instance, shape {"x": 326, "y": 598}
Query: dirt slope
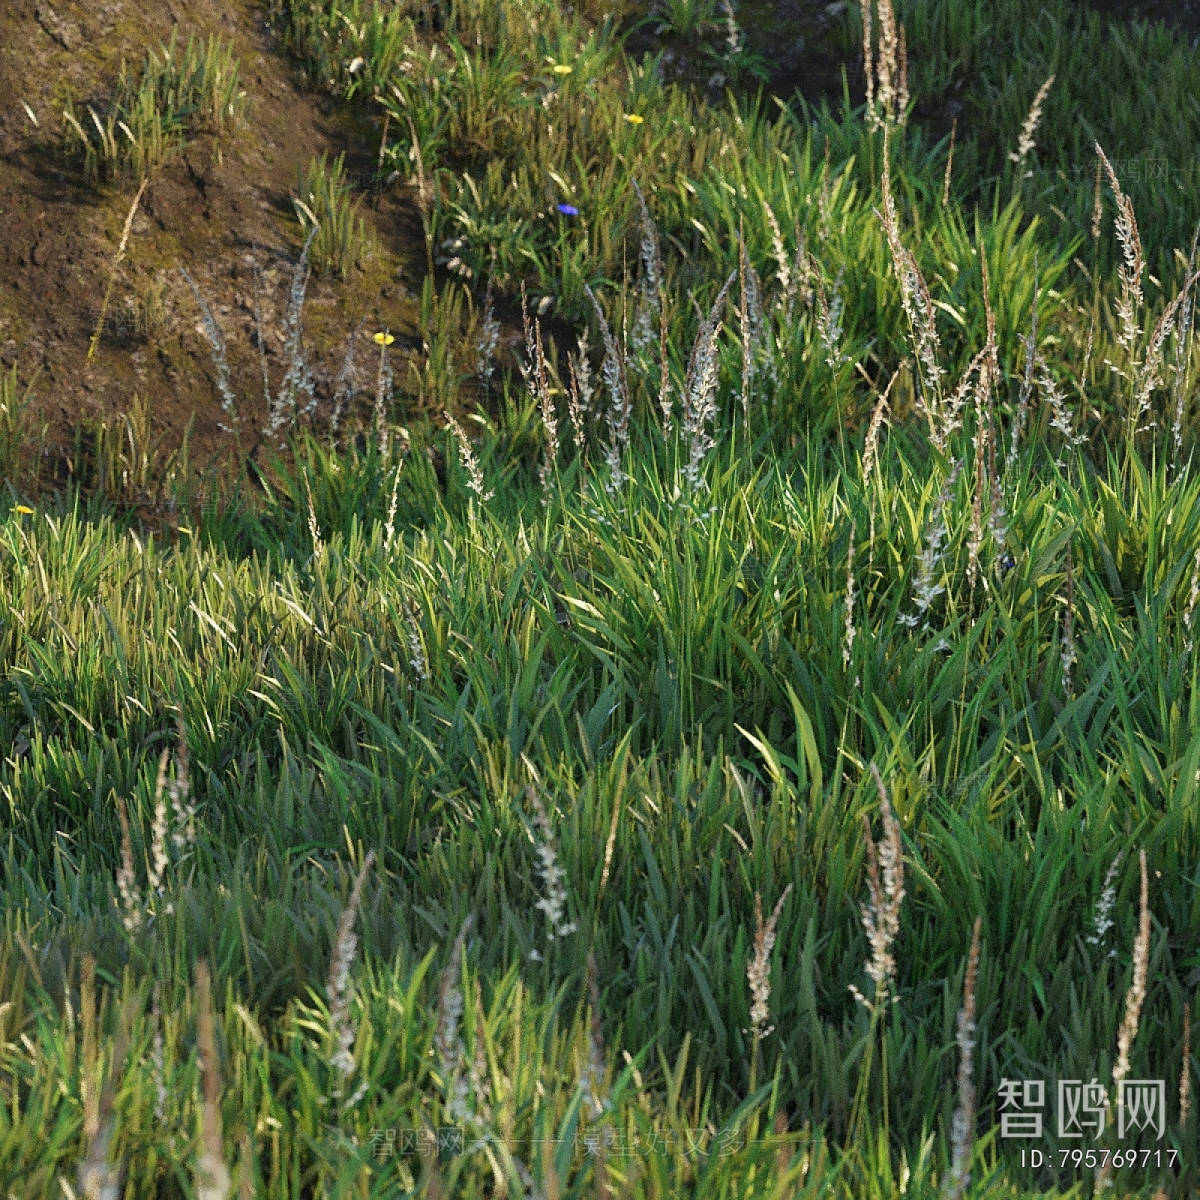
{"x": 217, "y": 207}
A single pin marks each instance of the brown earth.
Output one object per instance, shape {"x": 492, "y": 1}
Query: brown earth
{"x": 218, "y": 207}
{"x": 222, "y": 205}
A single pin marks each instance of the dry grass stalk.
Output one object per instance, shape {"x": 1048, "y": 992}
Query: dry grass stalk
{"x": 620, "y": 404}
{"x": 1150, "y": 375}
{"x": 469, "y": 461}
{"x": 699, "y": 398}
{"x": 345, "y": 944}
{"x": 554, "y": 902}
{"x": 1185, "y": 1070}
{"x": 881, "y": 915}
{"x": 851, "y": 632}
{"x": 888, "y": 70}
{"x": 1026, "y": 143}
{"x": 949, "y": 164}
{"x": 314, "y": 531}
{"x": 664, "y": 384}
{"x": 758, "y": 971}
{"x": 112, "y": 278}
{"x": 549, "y": 418}
{"x": 1132, "y": 268}
{"x": 448, "y": 1040}
{"x": 131, "y": 898}
{"x": 1134, "y": 999}
{"x": 212, "y": 1179}
{"x": 1069, "y": 656}
{"x": 97, "y": 1178}
{"x": 591, "y": 1080}
{"x": 963, "y": 1135}
{"x": 918, "y": 307}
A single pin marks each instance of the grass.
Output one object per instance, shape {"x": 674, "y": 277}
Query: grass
{"x": 150, "y": 115}
{"x": 323, "y": 203}
{"x": 527, "y": 796}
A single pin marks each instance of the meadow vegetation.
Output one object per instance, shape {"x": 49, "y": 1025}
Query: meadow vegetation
{"x": 777, "y": 724}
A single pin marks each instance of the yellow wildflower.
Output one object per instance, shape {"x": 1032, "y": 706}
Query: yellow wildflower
{"x": 634, "y": 119}
{"x": 23, "y": 509}
{"x": 562, "y": 69}
{"x": 384, "y": 339}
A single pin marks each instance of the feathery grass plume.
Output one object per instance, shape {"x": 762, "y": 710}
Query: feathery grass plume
{"x": 872, "y": 117}
{"x": 314, "y": 531}
{"x": 749, "y": 320}
{"x": 949, "y": 164}
{"x": 216, "y": 339}
{"x": 881, "y": 914}
{"x": 918, "y": 307}
{"x": 963, "y": 1136}
{"x": 298, "y": 379}
{"x": 489, "y": 336}
{"x": 1137, "y": 988}
{"x": 783, "y": 271}
{"x": 851, "y": 632}
{"x": 575, "y": 412}
{"x": 649, "y": 295}
{"x": 131, "y": 897}
{"x": 975, "y": 540}
{"x": 1069, "y": 656}
{"x": 1181, "y": 366}
{"x": 112, "y": 278}
{"x": 345, "y": 944}
{"x": 620, "y": 405}
{"x": 529, "y": 366}
{"x": 1150, "y": 377}
{"x": 1189, "y": 613}
{"x": 97, "y": 1178}
{"x": 345, "y": 383}
{"x": 664, "y": 382}
{"x": 183, "y": 811}
{"x": 700, "y": 389}
{"x": 416, "y": 647}
{"x": 886, "y": 63}
{"x": 469, "y": 461}
{"x": 1108, "y": 895}
{"x": 549, "y": 417}
{"x": 1185, "y": 1070}
{"x": 448, "y": 1040}
{"x": 158, "y": 831}
{"x": 758, "y": 974}
{"x": 1026, "y": 142}
{"x": 1097, "y": 204}
{"x": 925, "y": 590}
{"x": 211, "y": 1178}
{"x": 554, "y": 902}
{"x": 1131, "y": 269}
{"x": 1031, "y": 358}
{"x": 1133, "y": 1009}
{"x": 390, "y": 527}
{"x": 733, "y": 34}
{"x": 591, "y": 1080}
{"x": 829, "y": 319}
{"x": 383, "y": 389}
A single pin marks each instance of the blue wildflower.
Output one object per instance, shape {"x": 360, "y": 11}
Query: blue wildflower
{"x": 568, "y": 210}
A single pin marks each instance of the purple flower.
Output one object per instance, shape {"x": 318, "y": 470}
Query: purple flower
{"x": 568, "y": 210}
